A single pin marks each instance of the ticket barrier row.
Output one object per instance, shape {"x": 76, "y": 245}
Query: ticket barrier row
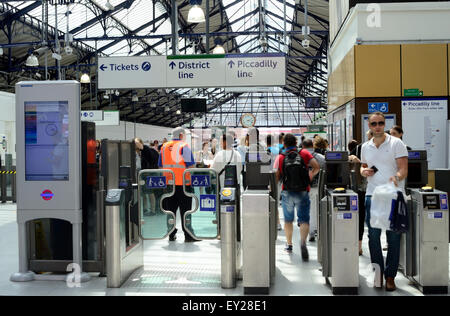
{"x": 423, "y": 250}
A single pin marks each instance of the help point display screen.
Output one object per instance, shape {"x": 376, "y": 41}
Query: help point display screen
{"x": 47, "y": 141}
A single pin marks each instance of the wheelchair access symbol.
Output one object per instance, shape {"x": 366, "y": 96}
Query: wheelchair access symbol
{"x": 200, "y": 180}
{"x": 207, "y": 203}
{"x": 156, "y": 182}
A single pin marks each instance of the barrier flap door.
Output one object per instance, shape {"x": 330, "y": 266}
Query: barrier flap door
{"x": 202, "y": 185}
{"x": 155, "y": 221}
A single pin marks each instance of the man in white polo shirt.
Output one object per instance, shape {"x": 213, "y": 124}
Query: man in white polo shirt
{"x": 383, "y": 159}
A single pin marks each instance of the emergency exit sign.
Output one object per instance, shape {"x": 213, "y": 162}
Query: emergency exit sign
{"x": 412, "y": 93}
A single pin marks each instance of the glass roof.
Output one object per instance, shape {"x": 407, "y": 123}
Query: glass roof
{"x": 241, "y": 16}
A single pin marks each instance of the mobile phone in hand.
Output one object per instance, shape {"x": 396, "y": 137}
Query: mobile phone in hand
{"x": 375, "y": 169}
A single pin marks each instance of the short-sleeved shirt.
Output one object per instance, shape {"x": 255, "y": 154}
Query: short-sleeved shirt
{"x": 306, "y": 156}
{"x": 384, "y": 159}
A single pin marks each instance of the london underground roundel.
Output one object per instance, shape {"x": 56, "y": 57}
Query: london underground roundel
{"x": 47, "y": 195}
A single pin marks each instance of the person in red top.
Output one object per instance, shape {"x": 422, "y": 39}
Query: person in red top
{"x": 299, "y": 200}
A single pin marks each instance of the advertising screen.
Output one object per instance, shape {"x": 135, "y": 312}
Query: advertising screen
{"x": 46, "y": 141}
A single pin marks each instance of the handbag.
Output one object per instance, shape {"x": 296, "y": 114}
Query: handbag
{"x": 400, "y": 216}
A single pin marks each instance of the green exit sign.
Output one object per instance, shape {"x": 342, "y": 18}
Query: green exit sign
{"x": 412, "y": 93}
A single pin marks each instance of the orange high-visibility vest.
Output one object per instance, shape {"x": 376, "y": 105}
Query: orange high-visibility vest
{"x": 172, "y": 159}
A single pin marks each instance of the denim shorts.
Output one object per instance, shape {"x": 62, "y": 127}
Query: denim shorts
{"x": 296, "y": 200}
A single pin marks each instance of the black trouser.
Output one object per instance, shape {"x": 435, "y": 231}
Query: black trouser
{"x": 362, "y": 212}
{"x": 178, "y": 200}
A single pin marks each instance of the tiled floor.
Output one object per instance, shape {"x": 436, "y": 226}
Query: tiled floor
{"x": 178, "y": 268}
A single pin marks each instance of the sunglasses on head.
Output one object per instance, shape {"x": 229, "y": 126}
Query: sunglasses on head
{"x": 380, "y": 123}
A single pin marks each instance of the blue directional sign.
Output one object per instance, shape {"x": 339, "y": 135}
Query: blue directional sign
{"x": 382, "y": 107}
{"x": 200, "y": 180}
{"x": 156, "y": 182}
{"x": 207, "y": 203}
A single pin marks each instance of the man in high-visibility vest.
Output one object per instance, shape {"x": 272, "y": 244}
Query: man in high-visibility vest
{"x": 176, "y": 155}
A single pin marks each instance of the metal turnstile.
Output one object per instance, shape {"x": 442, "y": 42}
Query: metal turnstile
{"x": 424, "y": 249}
{"x": 123, "y": 255}
{"x": 228, "y": 240}
{"x": 338, "y": 241}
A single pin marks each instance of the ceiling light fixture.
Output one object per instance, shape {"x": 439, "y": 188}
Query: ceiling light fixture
{"x": 196, "y": 14}
{"x": 85, "y": 78}
{"x": 219, "y": 46}
{"x": 32, "y": 61}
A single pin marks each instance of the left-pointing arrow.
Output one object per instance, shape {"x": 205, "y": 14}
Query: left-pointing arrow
{"x": 103, "y": 67}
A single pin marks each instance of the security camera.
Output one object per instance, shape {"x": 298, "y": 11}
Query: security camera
{"x": 305, "y": 43}
{"x": 68, "y": 50}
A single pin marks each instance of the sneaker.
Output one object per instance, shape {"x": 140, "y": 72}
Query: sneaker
{"x": 305, "y": 254}
{"x": 288, "y": 248}
{"x": 312, "y": 238}
{"x": 279, "y": 227}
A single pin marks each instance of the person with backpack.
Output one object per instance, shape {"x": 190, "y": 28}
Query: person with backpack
{"x": 314, "y": 192}
{"x": 293, "y": 170}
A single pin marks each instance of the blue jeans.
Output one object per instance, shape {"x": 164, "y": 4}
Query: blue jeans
{"x": 296, "y": 200}
{"x": 376, "y": 254}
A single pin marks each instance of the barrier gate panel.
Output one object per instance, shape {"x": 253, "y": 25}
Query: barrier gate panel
{"x": 202, "y": 221}
{"x": 154, "y": 185}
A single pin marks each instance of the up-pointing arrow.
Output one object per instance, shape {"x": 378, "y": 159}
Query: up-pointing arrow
{"x": 172, "y": 65}
{"x": 231, "y": 64}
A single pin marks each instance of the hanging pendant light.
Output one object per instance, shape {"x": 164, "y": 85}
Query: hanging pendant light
{"x": 85, "y": 78}
{"x": 196, "y": 14}
{"x": 32, "y": 61}
{"x": 219, "y": 46}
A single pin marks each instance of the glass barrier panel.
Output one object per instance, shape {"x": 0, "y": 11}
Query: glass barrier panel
{"x": 154, "y": 186}
{"x": 203, "y": 186}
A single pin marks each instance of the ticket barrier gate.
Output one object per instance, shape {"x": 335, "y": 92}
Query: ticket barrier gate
{"x": 123, "y": 256}
{"x": 202, "y": 221}
{"x": 338, "y": 226}
{"x": 259, "y": 232}
{"x": 424, "y": 249}
{"x": 230, "y": 229}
